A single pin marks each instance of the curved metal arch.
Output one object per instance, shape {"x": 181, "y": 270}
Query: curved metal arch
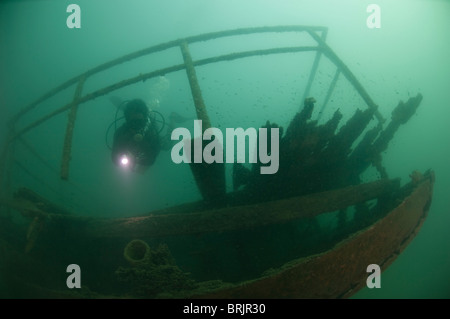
{"x": 189, "y": 64}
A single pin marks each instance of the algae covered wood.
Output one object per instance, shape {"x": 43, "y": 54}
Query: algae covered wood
{"x": 342, "y": 271}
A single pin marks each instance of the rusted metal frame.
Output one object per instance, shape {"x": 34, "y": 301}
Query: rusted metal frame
{"x": 329, "y": 93}
{"x": 210, "y": 179}
{"x": 162, "y": 47}
{"x": 146, "y": 76}
{"x": 96, "y": 94}
{"x": 100, "y": 68}
{"x": 246, "y": 54}
{"x": 196, "y": 92}
{"x": 69, "y": 130}
{"x": 150, "y": 50}
{"x": 33, "y": 151}
{"x": 349, "y": 75}
{"x": 6, "y": 162}
{"x": 314, "y": 68}
{"x": 213, "y": 220}
{"x": 143, "y": 77}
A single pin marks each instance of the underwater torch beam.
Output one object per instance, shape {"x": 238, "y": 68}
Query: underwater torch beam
{"x": 69, "y": 131}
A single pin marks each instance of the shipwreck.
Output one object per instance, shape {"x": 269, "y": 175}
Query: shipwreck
{"x": 264, "y": 239}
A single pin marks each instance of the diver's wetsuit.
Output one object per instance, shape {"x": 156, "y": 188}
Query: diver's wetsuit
{"x": 142, "y": 145}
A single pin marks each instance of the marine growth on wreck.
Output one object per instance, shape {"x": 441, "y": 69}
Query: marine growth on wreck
{"x": 269, "y": 236}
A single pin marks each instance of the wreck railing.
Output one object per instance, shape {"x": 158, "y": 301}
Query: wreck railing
{"x": 189, "y": 65}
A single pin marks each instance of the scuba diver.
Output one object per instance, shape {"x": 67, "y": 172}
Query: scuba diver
{"x": 138, "y": 141}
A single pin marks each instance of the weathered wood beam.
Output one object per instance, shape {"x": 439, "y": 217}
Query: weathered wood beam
{"x": 232, "y": 218}
{"x": 210, "y": 179}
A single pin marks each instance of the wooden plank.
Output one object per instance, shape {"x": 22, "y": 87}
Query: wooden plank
{"x": 149, "y": 75}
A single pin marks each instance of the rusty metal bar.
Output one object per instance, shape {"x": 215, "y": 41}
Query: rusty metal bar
{"x": 200, "y": 107}
{"x": 36, "y": 178}
{"x": 189, "y": 65}
{"x": 329, "y": 93}
{"x": 146, "y": 76}
{"x": 210, "y": 179}
{"x": 94, "y": 95}
{"x": 349, "y": 75}
{"x": 246, "y": 54}
{"x": 69, "y": 131}
{"x": 39, "y": 157}
{"x": 33, "y": 151}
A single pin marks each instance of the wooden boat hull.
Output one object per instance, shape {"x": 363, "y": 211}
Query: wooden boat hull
{"x": 336, "y": 273}
{"x": 259, "y": 227}
{"x": 342, "y": 271}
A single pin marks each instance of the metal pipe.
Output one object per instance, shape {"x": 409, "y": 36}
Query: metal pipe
{"x": 349, "y": 75}
{"x": 200, "y": 107}
{"x": 69, "y": 131}
{"x": 146, "y": 76}
{"x": 210, "y": 179}
{"x": 162, "y": 47}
